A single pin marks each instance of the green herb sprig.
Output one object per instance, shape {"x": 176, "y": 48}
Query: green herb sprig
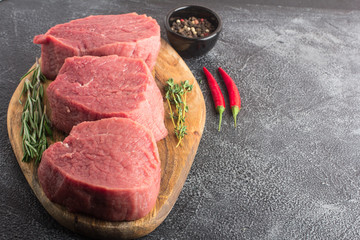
{"x": 176, "y": 95}
{"x": 35, "y": 124}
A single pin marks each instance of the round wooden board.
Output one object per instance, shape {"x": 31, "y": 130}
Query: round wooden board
{"x": 175, "y": 162}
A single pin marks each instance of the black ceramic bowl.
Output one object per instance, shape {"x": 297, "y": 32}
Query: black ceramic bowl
{"x": 192, "y": 47}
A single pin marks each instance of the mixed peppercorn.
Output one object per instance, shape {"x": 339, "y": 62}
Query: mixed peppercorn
{"x": 192, "y": 27}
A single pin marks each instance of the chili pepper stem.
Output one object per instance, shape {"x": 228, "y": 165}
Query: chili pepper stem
{"x": 220, "y": 110}
{"x": 235, "y": 110}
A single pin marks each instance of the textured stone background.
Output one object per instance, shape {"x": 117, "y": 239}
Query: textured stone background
{"x": 291, "y": 168}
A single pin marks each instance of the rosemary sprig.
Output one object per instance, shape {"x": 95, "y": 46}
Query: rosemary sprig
{"x": 35, "y": 125}
{"x": 176, "y": 95}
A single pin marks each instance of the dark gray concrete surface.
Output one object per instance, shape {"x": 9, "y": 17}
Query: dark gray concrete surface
{"x": 290, "y": 170}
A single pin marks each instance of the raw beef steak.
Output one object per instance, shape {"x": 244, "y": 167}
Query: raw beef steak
{"x": 109, "y": 169}
{"x": 129, "y": 35}
{"x": 90, "y": 88}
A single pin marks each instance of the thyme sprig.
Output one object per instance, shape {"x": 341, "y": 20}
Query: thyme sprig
{"x": 176, "y": 96}
{"x": 35, "y": 125}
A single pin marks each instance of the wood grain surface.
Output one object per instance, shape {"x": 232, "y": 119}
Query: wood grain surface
{"x": 175, "y": 162}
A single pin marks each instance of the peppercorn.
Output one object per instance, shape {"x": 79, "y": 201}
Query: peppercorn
{"x": 192, "y": 27}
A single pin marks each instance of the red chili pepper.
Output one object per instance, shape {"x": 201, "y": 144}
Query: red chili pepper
{"x": 235, "y": 100}
{"x": 216, "y": 94}
{"x": 182, "y": 20}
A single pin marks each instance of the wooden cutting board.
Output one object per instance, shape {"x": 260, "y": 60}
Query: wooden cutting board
{"x": 175, "y": 162}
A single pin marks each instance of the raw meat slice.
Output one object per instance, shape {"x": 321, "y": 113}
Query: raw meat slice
{"x": 90, "y": 88}
{"x": 129, "y": 35}
{"x": 109, "y": 169}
